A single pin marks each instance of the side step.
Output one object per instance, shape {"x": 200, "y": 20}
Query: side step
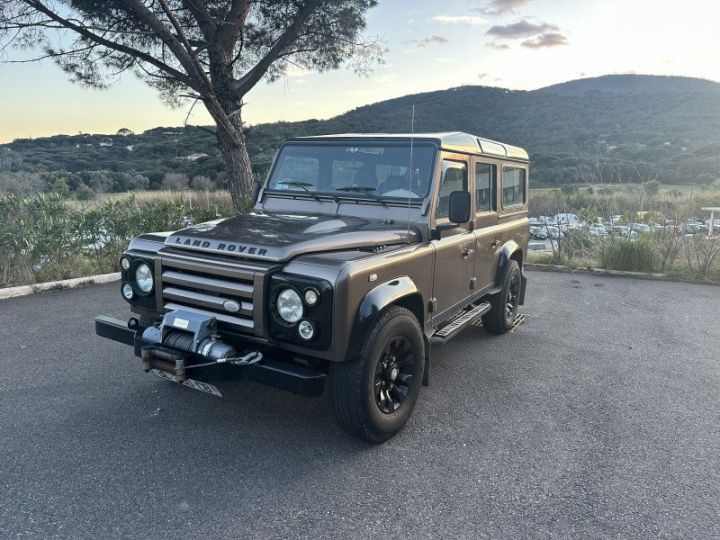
{"x": 464, "y": 319}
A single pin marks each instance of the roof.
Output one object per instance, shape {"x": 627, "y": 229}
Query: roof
{"x": 457, "y": 141}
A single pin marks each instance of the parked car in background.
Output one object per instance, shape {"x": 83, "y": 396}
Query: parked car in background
{"x": 623, "y": 230}
{"x": 538, "y": 233}
{"x": 640, "y": 228}
{"x": 566, "y": 218}
{"x": 692, "y": 226}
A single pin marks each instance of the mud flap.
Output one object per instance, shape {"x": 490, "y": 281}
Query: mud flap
{"x": 426, "y": 371}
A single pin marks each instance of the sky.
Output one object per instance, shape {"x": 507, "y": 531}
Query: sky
{"x": 431, "y": 45}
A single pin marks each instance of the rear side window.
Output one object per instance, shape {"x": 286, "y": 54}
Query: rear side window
{"x": 484, "y": 186}
{"x": 513, "y": 186}
{"x": 454, "y": 178}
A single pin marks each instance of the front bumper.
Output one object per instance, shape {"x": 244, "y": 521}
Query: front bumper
{"x": 276, "y": 368}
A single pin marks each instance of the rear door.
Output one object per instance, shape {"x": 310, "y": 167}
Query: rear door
{"x": 486, "y": 221}
{"x": 454, "y": 252}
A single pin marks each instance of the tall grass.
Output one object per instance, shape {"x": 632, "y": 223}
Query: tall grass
{"x": 624, "y": 254}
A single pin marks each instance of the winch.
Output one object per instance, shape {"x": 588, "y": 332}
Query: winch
{"x": 190, "y": 332}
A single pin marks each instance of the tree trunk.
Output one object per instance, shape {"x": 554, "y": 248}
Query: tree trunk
{"x": 237, "y": 162}
{"x": 232, "y": 144}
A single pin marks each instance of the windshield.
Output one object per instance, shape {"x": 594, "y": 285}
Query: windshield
{"x": 377, "y": 171}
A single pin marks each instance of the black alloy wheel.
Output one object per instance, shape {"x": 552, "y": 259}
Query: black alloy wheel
{"x": 513, "y": 296}
{"x": 393, "y": 375}
{"x": 505, "y": 303}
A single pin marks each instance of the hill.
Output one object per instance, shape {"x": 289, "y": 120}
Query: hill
{"x": 618, "y": 128}
{"x": 634, "y": 84}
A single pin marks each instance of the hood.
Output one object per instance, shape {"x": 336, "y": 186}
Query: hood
{"x": 280, "y": 237}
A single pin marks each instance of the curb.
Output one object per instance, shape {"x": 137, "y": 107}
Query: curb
{"x": 612, "y": 273}
{"x": 24, "y": 290}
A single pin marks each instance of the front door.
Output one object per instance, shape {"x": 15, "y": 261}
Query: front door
{"x": 455, "y": 251}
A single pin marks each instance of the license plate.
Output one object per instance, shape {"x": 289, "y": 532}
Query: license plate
{"x": 190, "y": 383}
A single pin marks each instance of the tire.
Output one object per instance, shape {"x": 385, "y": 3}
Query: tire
{"x": 373, "y": 396}
{"x": 505, "y": 303}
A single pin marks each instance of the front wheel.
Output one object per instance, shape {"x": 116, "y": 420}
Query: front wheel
{"x": 373, "y": 396}
{"x": 505, "y": 303}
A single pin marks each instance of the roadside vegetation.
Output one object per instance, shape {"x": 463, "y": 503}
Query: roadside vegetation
{"x": 639, "y": 229}
{"x": 45, "y": 237}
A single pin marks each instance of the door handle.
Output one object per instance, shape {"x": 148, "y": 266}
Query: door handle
{"x": 495, "y": 243}
{"x": 467, "y": 252}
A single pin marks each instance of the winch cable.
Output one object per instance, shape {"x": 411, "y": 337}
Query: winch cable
{"x": 246, "y": 360}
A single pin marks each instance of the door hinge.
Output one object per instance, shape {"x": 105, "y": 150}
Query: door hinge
{"x": 432, "y": 305}
{"x": 473, "y": 282}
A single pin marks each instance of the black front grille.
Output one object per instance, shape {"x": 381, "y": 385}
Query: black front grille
{"x": 214, "y": 290}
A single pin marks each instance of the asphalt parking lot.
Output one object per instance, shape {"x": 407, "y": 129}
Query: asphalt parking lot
{"x": 598, "y": 417}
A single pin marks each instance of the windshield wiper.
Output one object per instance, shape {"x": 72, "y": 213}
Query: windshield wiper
{"x": 364, "y": 190}
{"x": 302, "y": 185}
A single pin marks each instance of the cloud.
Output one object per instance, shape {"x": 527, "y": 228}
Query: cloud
{"x": 386, "y": 80}
{"x": 445, "y": 60}
{"x": 500, "y": 7}
{"x": 430, "y": 40}
{"x": 496, "y": 45}
{"x": 548, "y": 39}
{"x": 462, "y": 19}
{"x": 482, "y": 76}
{"x": 520, "y": 29}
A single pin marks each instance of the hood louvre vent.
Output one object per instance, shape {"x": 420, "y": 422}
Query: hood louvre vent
{"x": 373, "y": 249}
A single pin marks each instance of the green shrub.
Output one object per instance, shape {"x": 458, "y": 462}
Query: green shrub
{"x": 628, "y": 255}
{"x": 44, "y": 237}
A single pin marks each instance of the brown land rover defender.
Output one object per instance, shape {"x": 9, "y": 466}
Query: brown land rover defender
{"x": 361, "y": 254}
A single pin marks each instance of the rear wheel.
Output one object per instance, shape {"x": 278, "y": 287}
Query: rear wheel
{"x": 373, "y": 396}
{"x": 505, "y": 303}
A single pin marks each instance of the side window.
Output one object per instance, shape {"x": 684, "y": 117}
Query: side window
{"x": 454, "y": 178}
{"x": 484, "y": 187}
{"x": 513, "y": 186}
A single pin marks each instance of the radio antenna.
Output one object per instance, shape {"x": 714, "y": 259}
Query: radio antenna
{"x": 410, "y": 175}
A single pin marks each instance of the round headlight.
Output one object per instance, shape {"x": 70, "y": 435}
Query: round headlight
{"x": 125, "y": 263}
{"x": 144, "y": 278}
{"x": 127, "y": 291}
{"x": 311, "y": 297}
{"x": 289, "y": 306}
{"x": 306, "y": 330}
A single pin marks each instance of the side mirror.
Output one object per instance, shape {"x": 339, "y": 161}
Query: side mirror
{"x": 459, "y": 211}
